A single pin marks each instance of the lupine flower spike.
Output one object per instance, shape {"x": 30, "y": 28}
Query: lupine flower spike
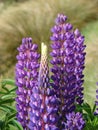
{"x": 67, "y": 64}
{"x": 43, "y": 105}
{"x": 26, "y": 77}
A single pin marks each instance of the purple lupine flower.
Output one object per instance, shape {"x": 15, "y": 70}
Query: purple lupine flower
{"x": 74, "y": 121}
{"x": 67, "y": 64}
{"x": 43, "y": 106}
{"x": 79, "y": 60}
{"x": 26, "y": 78}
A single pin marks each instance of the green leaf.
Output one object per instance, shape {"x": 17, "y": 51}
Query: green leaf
{"x": 2, "y": 92}
{"x": 1, "y": 124}
{"x": 8, "y": 96}
{"x": 95, "y": 121}
{"x": 4, "y": 109}
{"x": 86, "y": 117}
{"x": 11, "y": 116}
{"x": 5, "y": 125}
{"x": 92, "y": 124}
{"x": 5, "y": 88}
{"x": 86, "y": 107}
{"x": 13, "y": 89}
{"x": 17, "y": 124}
{"x": 8, "y": 82}
{"x": 4, "y": 101}
{"x": 94, "y": 107}
{"x": 10, "y": 108}
{"x": 78, "y": 108}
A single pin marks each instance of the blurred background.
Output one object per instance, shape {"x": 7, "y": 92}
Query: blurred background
{"x": 34, "y": 18}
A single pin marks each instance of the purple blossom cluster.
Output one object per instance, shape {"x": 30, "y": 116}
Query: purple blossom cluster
{"x": 26, "y": 78}
{"x": 48, "y": 102}
{"x": 67, "y": 64}
{"x": 74, "y": 121}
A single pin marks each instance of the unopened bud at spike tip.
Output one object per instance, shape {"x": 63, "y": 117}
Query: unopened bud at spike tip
{"x": 44, "y": 49}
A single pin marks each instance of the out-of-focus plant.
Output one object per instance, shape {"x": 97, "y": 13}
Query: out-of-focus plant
{"x": 91, "y": 72}
{"x": 29, "y": 19}
{"x": 7, "y": 108}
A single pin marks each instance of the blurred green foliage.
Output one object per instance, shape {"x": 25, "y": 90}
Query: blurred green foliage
{"x": 91, "y": 68}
